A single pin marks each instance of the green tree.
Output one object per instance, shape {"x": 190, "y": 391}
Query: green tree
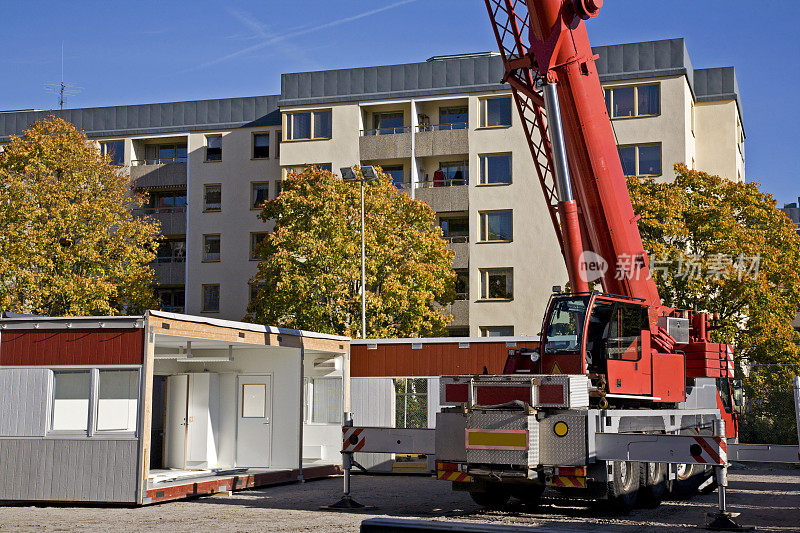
{"x": 311, "y": 266}
{"x": 69, "y": 243}
{"x": 724, "y": 247}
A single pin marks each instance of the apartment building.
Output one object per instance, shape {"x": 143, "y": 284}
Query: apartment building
{"x": 444, "y": 129}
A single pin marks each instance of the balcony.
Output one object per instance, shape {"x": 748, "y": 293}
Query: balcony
{"x": 172, "y": 219}
{"x": 170, "y": 272}
{"x": 441, "y": 139}
{"x": 444, "y": 195}
{"x": 460, "y": 245}
{"x": 460, "y": 311}
{"x": 158, "y": 173}
{"x": 385, "y": 143}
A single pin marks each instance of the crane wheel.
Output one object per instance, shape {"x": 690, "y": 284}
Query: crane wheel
{"x": 688, "y": 480}
{"x": 652, "y": 484}
{"x": 623, "y": 489}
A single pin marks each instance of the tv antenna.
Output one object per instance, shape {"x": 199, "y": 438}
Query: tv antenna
{"x": 62, "y": 89}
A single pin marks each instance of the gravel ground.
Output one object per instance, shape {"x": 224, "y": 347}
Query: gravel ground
{"x": 767, "y": 496}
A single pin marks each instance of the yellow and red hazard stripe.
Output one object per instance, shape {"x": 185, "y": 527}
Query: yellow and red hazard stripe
{"x": 452, "y": 476}
{"x": 568, "y": 481}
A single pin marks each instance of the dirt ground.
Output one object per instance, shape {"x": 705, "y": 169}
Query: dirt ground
{"x": 767, "y": 496}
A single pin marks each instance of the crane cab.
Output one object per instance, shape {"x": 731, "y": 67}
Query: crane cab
{"x": 607, "y": 337}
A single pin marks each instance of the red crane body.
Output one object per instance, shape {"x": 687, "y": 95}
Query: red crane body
{"x": 546, "y": 52}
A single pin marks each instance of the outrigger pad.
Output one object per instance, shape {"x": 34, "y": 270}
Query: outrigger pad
{"x": 347, "y": 503}
{"x": 722, "y": 521}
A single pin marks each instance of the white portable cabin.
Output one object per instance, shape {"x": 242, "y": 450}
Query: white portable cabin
{"x": 140, "y": 409}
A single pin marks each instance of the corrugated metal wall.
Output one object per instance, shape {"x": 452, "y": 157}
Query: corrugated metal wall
{"x": 69, "y": 470}
{"x": 372, "y": 404}
{"x": 433, "y": 359}
{"x": 23, "y": 401}
{"x": 50, "y": 347}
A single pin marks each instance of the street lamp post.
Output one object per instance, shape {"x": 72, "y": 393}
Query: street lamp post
{"x": 349, "y": 175}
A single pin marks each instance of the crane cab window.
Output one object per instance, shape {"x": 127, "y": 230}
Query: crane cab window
{"x": 625, "y": 332}
{"x": 564, "y": 326}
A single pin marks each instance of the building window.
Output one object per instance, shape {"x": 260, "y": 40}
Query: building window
{"x": 459, "y": 331}
{"x": 495, "y": 112}
{"x": 171, "y": 251}
{"x": 211, "y": 247}
{"x": 327, "y": 167}
{"x": 212, "y": 197}
{"x": 633, "y": 101}
{"x": 302, "y": 125}
{"x": 255, "y": 241}
{"x": 396, "y": 173}
{"x": 213, "y": 147}
{"x": 114, "y": 150}
{"x": 411, "y": 403}
{"x": 462, "y": 284}
{"x": 497, "y": 284}
{"x": 497, "y": 331}
{"x": 71, "y": 393}
{"x": 165, "y": 202}
{"x": 451, "y": 173}
{"x": 260, "y": 145}
{"x": 171, "y": 299}
{"x": 641, "y": 159}
{"x": 117, "y": 400}
{"x": 691, "y": 123}
{"x": 164, "y": 154}
{"x": 455, "y": 228}
{"x": 259, "y": 193}
{"x": 323, "y": 400}
{"x": 211, "y": 298}
{"x": 387, "y": 123}
{"x": 278, "y": 187}
{"x": 255, "y": 289}
{"x": 453, "y": 118}
{"x": 495, "y": 168}
{"x": 277, "y": 144}
{"x": 496, "y": 226}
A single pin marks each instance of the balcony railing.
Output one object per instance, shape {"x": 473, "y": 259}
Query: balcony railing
{"x": 171, "y": 259}
{"x": 443, "y": 127}
{"x": 386, "y": 131}
{"x": 158, "y": 161}
{"x": 456, "y": 239}
{"x": 462, "y": 296}
{"x": 159, "y": 210}
{"x": 447, "y": 182}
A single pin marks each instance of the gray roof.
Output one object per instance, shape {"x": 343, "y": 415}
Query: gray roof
{"x": 194, "y": 115}
{"x": 439, "y": 75}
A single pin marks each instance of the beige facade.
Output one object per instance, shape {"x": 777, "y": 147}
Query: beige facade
{"x": 423, "y": 122}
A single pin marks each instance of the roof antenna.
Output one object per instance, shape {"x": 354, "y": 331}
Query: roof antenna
{"x": 62, "y": 89}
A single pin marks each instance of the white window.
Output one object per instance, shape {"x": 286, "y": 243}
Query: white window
{"x": 411, "y": 403}
{"x": 117, "y": 403}
{"x": 497, "y": 284}
{"x": 324, "y": 398}
{"x": 71, "y": 393}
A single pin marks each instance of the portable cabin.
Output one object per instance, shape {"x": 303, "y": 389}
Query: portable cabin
{"x": 395, "y": 383}
{"x": 140, "y": 409}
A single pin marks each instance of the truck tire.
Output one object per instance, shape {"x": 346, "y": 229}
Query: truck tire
{"x": 529, "y": 495}
{"x": 688, "y": 480}
{"x": 493, "y": 497}
{"x": 652, "y": 484}
{"x": 623, "y": 490}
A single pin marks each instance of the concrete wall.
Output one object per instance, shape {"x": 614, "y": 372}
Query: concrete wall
{"x": 716, "y": 129}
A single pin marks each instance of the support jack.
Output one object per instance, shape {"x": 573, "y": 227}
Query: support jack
{"x": 347, "y": 503}
{"x": 724, "y": 521}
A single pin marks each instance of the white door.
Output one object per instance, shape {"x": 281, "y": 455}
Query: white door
{"x": 176, "y": 428}
{"x": 254, "y": 417}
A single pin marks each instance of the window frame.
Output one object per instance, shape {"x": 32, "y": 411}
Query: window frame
{"x": 103, "y": 150}
{"x": 483, "y": 228}
{"x": 484, "y": 329}
{"x": 253, "y": 234}
{"x": 91, "y": 430}
{"x": 203, "y": 308}
{"x": 253, "y": 136}
{"x": 485, "y": 273}
{"x": 206, "y": 137}
{"x": 253, "y": 185}
{"x": 288, "y": 127}
{"x": 635, "y": 86}
{"x": 207, "y": 209}
{"x": 483, "y": 112}
{"x": 636, "y": 159}
{"x": 219, "y": 240}
{"x": 483, "y": 168}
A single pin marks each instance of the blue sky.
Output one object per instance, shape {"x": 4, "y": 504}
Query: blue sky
{"x": 140, "y": 52}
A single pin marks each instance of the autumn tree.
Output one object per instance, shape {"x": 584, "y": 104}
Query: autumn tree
{"x": 311, "y": 268}
{"x": 69, "y": 243}
{"x": 724, "y": 247}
